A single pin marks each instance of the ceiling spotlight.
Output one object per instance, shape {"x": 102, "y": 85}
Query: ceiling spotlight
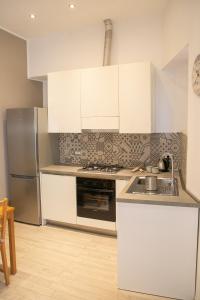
{"x": 32, "y": 16}
{"x": 72, "y": 5}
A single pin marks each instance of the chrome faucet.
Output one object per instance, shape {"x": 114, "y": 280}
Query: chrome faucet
{"x": 172, "y": 163}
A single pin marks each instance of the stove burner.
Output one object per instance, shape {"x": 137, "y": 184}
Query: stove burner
{"x": 102, "y": 168}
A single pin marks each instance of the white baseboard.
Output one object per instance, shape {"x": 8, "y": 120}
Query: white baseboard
{"x": 96, "y": 223}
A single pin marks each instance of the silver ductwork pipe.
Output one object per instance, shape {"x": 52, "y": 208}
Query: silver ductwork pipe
{"x": 107, "y": 43}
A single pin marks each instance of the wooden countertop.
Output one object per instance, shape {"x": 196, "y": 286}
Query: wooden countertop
{"x": 183, "y": 199}
{"x": 123, "y": 174}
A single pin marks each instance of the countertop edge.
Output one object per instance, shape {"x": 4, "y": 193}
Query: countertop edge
{"x": 182, "y": 200}
{"x": 153, "y": 202}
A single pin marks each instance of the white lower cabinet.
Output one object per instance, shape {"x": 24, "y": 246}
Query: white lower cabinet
{"x": 157, "y": 249}
{"x": 59, "y": 203}
{"x": 58, "y": 198}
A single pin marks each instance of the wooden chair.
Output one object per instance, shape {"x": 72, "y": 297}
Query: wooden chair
{"x": 3, "y": 220}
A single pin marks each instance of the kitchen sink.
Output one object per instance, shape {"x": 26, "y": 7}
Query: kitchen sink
{"x": 165, "y": 187}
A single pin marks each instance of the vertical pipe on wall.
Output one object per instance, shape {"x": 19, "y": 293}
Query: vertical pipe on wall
{"x": 107, "y": 43}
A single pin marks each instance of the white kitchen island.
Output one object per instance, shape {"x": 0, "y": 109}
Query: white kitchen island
{"x": 157, "y": 245}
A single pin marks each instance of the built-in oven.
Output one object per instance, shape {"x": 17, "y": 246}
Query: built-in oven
{"x": 96, "y": 199}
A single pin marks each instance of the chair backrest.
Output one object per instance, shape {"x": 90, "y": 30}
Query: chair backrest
{"x": 3, "y": 218}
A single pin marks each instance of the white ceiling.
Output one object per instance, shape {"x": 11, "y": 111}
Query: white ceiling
{"x": 55, "y": 16}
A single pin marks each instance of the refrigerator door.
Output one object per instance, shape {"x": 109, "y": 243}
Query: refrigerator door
{"x": 25, "y": 197}
{"x": 22, "y": 141}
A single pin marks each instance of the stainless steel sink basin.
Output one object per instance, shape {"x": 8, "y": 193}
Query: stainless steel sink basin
{"x": 165, "y": 186}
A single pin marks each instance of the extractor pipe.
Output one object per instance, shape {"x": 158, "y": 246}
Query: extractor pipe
{"x": 107, "y": 43}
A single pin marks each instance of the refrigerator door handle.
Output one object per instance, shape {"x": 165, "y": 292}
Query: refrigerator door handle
{"x": 36, "y": 144}
{"x": 37, "y": 152}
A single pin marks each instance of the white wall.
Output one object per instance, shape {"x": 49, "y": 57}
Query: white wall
{"x": 133, "y": 40}
{"x": 176, "y": 28}
{"x": 68, "y": 50}
{"x": 15, "y": 90}
{"x": 193, "y": 157}
{"x": 187, "y": 15}
{"x": 193, "y": 180}
{"x": 173, "y": 94}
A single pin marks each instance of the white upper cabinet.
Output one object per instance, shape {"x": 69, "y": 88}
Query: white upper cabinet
{"x": 103, "y": 98}
{"x": 99, "y": 92}
{"x": 64, "y": 101}
{"x": 135, "y": 93}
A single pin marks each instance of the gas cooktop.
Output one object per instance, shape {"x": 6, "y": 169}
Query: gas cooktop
{"x": 101, "y": 168}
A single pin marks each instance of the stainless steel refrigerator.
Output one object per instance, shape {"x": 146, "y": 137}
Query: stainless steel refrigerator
{"x": 29, "y": 148}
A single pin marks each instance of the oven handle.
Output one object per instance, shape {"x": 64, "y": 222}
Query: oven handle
{"x": 94, "y": 190}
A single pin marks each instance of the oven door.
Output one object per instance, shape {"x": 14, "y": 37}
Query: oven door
{"x": 96, "y": 204}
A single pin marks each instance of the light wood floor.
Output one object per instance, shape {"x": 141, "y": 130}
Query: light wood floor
{"x": 61, "y": 264}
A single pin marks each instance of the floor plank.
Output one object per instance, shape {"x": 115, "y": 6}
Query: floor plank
{"x": 63, "y": 264}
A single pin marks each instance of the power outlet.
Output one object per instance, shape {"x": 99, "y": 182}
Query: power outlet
{"x": 77, "y": 152}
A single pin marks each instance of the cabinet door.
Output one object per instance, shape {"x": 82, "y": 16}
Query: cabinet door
{"x": 135, "y": 98}
{"x": 64, "y": 101}
{"x": 58, "y": 194}
{"x": 99, "y": 92}
{"x": 157, "y": 249}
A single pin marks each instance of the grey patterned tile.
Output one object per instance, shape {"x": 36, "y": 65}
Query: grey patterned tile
{"x": 122, "y": 149}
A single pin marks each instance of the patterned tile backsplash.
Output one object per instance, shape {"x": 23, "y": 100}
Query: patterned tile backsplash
{"x": 123, "y": 149}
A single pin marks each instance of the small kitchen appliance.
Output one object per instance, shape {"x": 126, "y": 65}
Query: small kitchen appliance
{"x": 163, "y": 164}
{"x": 96, "y": 199}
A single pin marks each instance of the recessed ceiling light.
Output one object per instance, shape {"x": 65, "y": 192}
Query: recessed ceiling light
{"x": 71, "y": 5}
{"x": 32, "y": 16}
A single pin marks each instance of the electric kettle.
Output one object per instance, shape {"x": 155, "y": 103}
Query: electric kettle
{"x": 163, "y": 164}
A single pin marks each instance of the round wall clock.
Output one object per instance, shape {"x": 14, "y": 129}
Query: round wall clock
{"x": 196, "y": 76}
